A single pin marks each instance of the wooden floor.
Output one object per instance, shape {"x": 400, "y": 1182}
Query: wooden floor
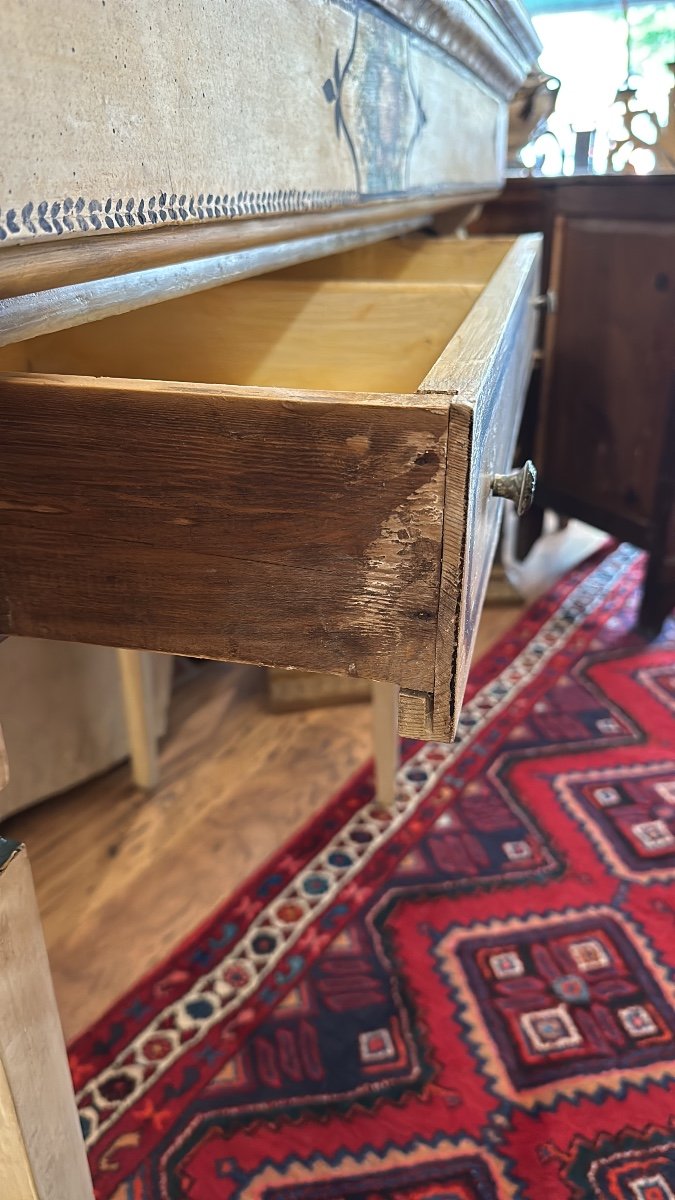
{"x": 121, "y": 876}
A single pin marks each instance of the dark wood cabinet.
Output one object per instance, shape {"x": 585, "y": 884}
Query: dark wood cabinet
{"x": 601, "y": 424}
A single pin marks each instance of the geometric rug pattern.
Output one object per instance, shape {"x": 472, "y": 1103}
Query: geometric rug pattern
{"x": 468, "y": 997}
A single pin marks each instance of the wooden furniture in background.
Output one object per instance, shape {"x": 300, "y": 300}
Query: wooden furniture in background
{"x": 603, "y": 423}
{"x": 41, "y": 1149}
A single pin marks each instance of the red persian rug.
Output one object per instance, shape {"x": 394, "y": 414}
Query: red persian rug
{"x": 469, "y": 998}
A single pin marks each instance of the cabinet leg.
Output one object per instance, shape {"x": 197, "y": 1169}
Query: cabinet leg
{"x": 385, "y": 741}
{"x": 658, "y": 596}
{"x": 138, "y": 710}
{"x": 42, "y": 1154}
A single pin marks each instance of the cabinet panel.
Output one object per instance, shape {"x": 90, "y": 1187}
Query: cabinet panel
{"x": 606, "y": 385}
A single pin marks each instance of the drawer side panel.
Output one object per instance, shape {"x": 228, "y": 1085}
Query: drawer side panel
{"x": 485, "y": 371}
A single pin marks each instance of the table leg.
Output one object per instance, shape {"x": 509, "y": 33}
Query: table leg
{"x": 42, "y": 1155}
{"x": 385, "y": 741}
{"x": 138, "y": 710}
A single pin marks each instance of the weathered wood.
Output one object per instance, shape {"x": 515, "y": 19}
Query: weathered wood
{"x": 414, "y": 713}
{"x": 288, "y": 529}
{"x": 328, "y": 335}
{"x": 485, "y": 370}
{"x": 41, "y": 1148}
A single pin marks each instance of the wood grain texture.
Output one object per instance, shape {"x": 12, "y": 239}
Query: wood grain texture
{"x": 292, "y": 691}
{"x": 485, "y": 370}
{"x": 141, "y": 872}
{"x": 288, "y": 529}
{"x": 608, "y": 249}
{"x": 37, "y": 313}
{"x": 41, "y": 265}
{"x": 319, "y": 334}
{"x": 193, "y": 500}
{"x": 44, "y": 1154}
{"x": 16, "y": 1176}
{"x": 414, "y": 713}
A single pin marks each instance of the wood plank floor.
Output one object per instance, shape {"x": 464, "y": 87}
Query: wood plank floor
{"x": 122, "y": 877}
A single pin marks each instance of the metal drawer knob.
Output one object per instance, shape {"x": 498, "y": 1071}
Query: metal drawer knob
{"x": 548, "y": 302}
{"x": 517, "y": 486}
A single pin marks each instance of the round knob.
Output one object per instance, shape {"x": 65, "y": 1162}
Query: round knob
{"x": 548, "y": 301}
{"x": 517, "y": 486}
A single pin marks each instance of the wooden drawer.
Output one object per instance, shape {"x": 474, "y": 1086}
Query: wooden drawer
{"x": 309, "y": 488}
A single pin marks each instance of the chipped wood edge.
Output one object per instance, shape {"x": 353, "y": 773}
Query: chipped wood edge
{"x": 452, "y": 590}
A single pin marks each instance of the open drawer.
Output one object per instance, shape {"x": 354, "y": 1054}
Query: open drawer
{"x": 310, "y": 487}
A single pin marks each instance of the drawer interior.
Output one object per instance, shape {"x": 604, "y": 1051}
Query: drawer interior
{"x": 416, "y": 258}
{"x": 374, "y": 319}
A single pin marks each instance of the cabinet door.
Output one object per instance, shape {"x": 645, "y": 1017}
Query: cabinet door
{"x": 610, "y": 359}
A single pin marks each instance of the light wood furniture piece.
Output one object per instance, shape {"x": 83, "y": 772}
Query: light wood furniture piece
{"x": 203, "y": 457}
{"x": 602, "y": 423}
{"x": 136, "y": 680}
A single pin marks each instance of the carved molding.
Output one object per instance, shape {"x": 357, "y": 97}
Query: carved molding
{"x": 494, "y": 39}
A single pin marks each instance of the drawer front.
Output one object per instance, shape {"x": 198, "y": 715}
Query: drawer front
{"x": 236, "y": 524}
{"x": 485, "y": 371}
{"x": 267, "y": 519}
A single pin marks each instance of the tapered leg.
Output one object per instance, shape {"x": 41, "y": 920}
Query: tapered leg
{"x": 138, "y": 709}
{"x": 385, "y": 741}
{"x": 42, "y": 1154}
